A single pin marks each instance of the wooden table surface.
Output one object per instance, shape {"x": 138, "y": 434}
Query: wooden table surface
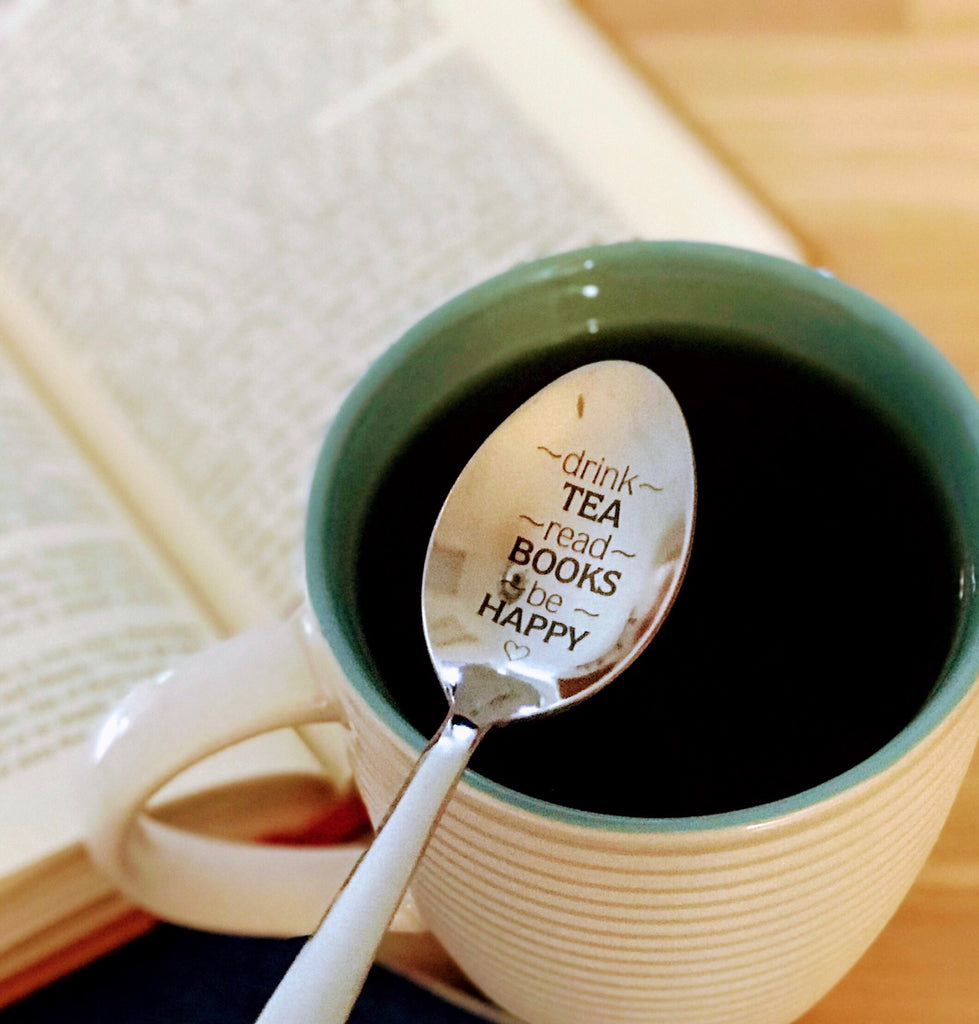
{"x": 857, "y": 123}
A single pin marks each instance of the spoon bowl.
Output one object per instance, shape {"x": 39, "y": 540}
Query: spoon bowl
{"x": 553, "y": 562}
{"x": 560, "y": 548}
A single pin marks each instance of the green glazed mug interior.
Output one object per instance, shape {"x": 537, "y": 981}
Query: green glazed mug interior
{"x": 544, "y": 309}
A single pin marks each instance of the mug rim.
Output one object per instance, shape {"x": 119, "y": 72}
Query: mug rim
{"x": 918, "y": 360}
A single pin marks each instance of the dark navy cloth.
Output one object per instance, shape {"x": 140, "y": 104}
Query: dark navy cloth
{"x": 178, "y": 976}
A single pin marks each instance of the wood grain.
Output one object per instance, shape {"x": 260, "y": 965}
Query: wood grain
{"x": 627, "y": 18}
{"x": 867, "y": 146}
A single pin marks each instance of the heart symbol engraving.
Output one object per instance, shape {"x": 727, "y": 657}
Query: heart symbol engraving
{"x": 515, "y": 651}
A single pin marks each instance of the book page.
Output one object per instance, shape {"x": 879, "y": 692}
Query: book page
{"x": 620, "y": 137}
{"x": 85, "y": 610}
{"x": 227, "y": 218}
{"x": 216, "y": 222}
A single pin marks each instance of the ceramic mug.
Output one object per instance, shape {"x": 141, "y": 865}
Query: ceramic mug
{"x": 745, "y": 912}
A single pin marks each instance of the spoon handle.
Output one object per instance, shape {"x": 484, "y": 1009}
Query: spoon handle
{"x": 323, "y": 982}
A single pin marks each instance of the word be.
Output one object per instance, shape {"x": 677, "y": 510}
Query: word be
{"x": 538, "y": 596}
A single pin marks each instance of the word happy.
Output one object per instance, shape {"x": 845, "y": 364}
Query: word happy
{"x": 505, "y": 614}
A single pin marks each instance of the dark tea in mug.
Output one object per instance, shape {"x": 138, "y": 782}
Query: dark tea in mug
{"x": 817, "y": 611}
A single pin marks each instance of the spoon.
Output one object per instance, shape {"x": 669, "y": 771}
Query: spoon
{"x": 553, "y": 561}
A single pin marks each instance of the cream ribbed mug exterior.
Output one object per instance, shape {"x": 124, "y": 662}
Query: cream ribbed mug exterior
{"x": 564, "y": 916}
{"x": 749, "y": 916}
{"x": 745, "y": 924}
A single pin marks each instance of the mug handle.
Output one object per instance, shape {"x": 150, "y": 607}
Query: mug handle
{"x": 262, "y": 680}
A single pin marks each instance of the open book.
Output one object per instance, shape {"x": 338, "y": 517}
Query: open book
{"x": 212, "y": 218}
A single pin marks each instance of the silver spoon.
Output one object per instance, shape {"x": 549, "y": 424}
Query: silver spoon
{"x": 553, "y": 562}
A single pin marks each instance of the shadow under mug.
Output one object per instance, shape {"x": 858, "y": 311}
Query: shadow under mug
{"x": 558, "y": 914}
